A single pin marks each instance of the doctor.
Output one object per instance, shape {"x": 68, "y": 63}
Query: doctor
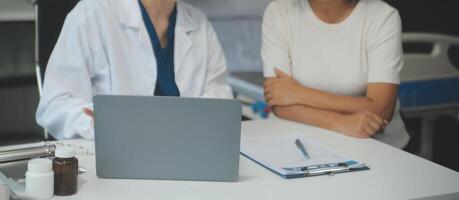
{"x": 128, "y": 47}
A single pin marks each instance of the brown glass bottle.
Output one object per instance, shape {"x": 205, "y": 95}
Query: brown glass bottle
{"x": 65, "y": 167}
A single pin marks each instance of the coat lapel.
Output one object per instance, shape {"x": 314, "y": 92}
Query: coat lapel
{"x": 130, "y": 17}
{"x": 183, "y": 29}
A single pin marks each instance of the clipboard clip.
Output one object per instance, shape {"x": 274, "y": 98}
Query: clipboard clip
{"x": 331, "y": 171}
{"x": 325, "y": 169}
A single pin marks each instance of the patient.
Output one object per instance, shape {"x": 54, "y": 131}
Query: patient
{"x": 335, "y": 64}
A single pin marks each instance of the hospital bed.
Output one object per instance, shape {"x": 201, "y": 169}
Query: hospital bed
{"x": 429, "y": 79}
{"x": 430, "y": 83}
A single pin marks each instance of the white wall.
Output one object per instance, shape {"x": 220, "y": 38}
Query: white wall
{"x": 231, "y": 8}
{"x": 16, "y": 10}
{"x": 238, "y": 25}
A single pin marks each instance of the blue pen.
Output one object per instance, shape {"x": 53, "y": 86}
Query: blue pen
{"x": 301, "y": 147}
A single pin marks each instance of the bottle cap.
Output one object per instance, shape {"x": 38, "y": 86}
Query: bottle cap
{"x": 65, "y": 152}
{"x": 4, "y": 191}
{"x": 39, "y": 165}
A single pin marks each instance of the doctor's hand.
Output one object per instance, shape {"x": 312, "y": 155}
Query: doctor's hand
{"x": 282, "y": 90}
{"x": 88, "y": 112}
{"x": 360, "y": 125}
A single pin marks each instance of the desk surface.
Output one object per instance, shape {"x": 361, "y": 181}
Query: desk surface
{"x": 394, "y": 174}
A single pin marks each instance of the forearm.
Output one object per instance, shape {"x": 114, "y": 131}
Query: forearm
{"x": 283, "y": 90}
{"x": 64, "y": 118}
{"x": 307, "y": 115}
{"x": 347, "y": 104}
{"x": 342, "y": 104}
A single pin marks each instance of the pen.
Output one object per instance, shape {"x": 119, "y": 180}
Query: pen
{"x": 301, "y": 147}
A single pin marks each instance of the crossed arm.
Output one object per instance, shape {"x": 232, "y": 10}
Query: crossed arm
{"x": 354, "y": 116}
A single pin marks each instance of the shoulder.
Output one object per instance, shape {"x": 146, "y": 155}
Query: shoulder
{"x": 382, "y": 19}
{"x": 90, "y": 12}
{"x": 94, "y": 7}
{"x": 283, "y": 14}
{"x": 283, "y": 7}
{"x": 91, "y": 19}
{"x": 379, "y": 10}
{"x": 379, "y": 6}
{"x": 192, "y": 14}
{"x": 191, "y": 11}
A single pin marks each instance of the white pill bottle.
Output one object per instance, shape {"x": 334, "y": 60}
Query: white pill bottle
{"x": 4, "y": 192}
{"x": 40, "y": 179}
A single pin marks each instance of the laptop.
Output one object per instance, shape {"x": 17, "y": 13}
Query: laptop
{"x": 167, "y": 138}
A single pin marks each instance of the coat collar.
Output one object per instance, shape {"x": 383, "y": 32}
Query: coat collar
{"x": 130, "y": 15}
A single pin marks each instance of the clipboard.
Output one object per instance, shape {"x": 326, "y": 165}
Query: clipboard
{"x": 310, "y": 173}
{"x": 288, "y": 163}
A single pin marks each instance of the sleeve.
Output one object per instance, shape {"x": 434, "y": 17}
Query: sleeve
{"x": 67, "y": 87}
{"x": 274, "y": 45}
{"x": 216, "y": 85}
{"x": 385, "y": 54}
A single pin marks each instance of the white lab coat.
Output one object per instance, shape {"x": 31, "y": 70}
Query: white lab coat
{"x": 104, "y": 48}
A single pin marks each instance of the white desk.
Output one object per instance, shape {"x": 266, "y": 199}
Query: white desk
{"x": 394, "y": 174}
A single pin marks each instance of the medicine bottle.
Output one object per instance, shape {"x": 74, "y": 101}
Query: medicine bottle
{"x": 39, "y": 179}
{"x": 4, "y": 192}
{"x": 65, "y": 167}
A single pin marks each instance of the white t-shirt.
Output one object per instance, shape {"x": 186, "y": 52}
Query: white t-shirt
{"x": 338, "y": 58}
